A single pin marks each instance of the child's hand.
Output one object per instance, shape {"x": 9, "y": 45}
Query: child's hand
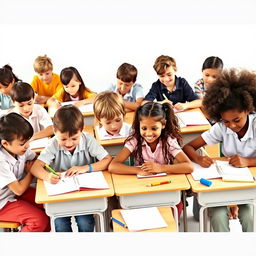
{"x": 53, "y": 178}
{"x": 41, "y": 99}
{"x": 238, "y": 161}
{"x": 166, "y": 101}
{"x": 151, "y": 167}
{"x": 78, "y": 104}
{"x": 28, "y": 166}
{"x": 233, "y": 212}
{"x": 205, "y": 161}
{"x": 143, "y": 173}
{"x": 180, "y": 106}
{"x": 74, "y": 170}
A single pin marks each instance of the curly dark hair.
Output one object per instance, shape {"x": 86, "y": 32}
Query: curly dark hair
{"x": 234, "y": 89}
{"x": 161, "y": 113}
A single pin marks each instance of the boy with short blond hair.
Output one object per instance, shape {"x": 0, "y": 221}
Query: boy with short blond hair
{"x": 45, "y": 83}
{"x": 127, "y": 87}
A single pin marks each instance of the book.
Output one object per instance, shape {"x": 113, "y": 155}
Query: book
{"x": 151, "y": 175}
{"x": 143, "y": 219}
{"x": 192, "y": 118}
{"x": 84, "y": 181}
{"x": 222, "y": 169}
{"x": 39, "y": 143}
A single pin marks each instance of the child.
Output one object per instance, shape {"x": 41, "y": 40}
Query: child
{"x": 17, "y": 199}
{"x": 71, "y": 150}
{"x": 211, "y": 69}
{"x": 7, "y": 79}
{"x": 109, "y": 111}
{"x": 73, "y": 89}
{"x": 45, "y": 83}
{"x": 230, "y": 102}
{"x": 154, "y": 144}
{"x": 23, "y": 98}
{"x": 171, "y": 88}
{"x": 127, "y": 87}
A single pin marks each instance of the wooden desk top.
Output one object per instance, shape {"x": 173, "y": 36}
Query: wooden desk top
{"x": 130, "y": 185}
{"x": 42, "y": 197}
{"x": 218, "y": 184}
{"x": 166, "y": 213}
{"x": 89, "y": 129}
{"x": 196, "y": 128}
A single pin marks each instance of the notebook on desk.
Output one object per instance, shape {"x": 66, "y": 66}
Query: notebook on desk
{"x": 39, "y": 143}
{"x": 84, "y": 108}
{"x": 222, "y": 169}
{"x": 143, "y": 219}
{"x": 85, "y": 181}
{"x": 192, "y": 118}
{"x": 151, "y": 175}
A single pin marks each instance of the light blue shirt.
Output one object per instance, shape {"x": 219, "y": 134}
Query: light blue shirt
{"x": 85, "y": 152}
{"x": 135, "y": 92}
{"x": 5, "y": 103}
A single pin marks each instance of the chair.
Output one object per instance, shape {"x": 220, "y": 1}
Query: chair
{"x": 9, "y": 226}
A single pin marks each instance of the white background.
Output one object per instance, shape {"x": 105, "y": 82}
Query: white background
{"x": 96, "y": 36}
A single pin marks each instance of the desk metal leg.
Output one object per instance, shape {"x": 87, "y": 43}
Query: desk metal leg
{"x": 201, "y": 218}
{"x": 254, "y": 216}
{"x": 175, "y": 210}
{"x": 185, "y": 226}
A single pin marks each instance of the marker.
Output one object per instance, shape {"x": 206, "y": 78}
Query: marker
{"x": 118, "y": 222}
{"x": 159, "y": 183}
{"x": 49, "y": 168}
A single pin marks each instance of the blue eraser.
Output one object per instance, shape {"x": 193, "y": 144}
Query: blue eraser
{"x": 205, "y": 182}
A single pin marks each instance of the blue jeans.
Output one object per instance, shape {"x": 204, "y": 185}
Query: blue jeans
{"x": 85, "y": 223}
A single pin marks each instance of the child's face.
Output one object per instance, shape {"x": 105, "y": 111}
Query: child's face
{"x": 5, "y": 90}
{"x": 16, "y": 147}
{"x": 235, "y": 120}
{"x": 73, "y": 86}
{"x": 46, "y": 76}
{"x": 68, "y": 142}
{"x": 210, "y": 75}
{"x": 114, "y": 125}
{"x": 168, "y": 78}
{"x": 25, "y": 108}
{"x": 124, "y": 87}
{"x": 150, "y": 129}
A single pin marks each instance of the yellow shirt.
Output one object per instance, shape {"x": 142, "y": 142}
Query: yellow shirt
{"x": 60, "y": 94}
{"x": 43, "y": 89}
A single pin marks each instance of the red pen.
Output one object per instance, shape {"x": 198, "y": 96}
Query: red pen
{"x": 158, "y": 183}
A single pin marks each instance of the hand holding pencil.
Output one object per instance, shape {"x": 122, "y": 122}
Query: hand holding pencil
{"x": 206, "y": 160}
{"x": 53, "y": 176}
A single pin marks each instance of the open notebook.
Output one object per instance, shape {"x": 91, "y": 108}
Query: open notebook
{"x": 151, "y": 175}
{"x": 85, "y": 181}
{"x": 222, "y": 169}
{"x": 192, "y": 118}
{"x": 143, "y": 219}
{"x": 39, "y": 143}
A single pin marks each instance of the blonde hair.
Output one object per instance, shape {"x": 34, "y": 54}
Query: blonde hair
{"x": 163, "y": 62}
{"x": 42, "y": 64}
{"x": 107, "y": 105}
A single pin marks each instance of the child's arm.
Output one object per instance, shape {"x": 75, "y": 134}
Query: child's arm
{"x": 89, "y": 100}
{"x": 190, "y": 149}
{"x": 53, "y": 103}
{"x": 183, "y": 165}
{"x": 38, "y": 171}
{"x": 190, "y": 104}
{"x": 117, "y": 166}
{"x": 239, "y": 161}
{"x": 132, "y": 106}
{"x": 98, "y": 166}
{"x": 47, "y": 132}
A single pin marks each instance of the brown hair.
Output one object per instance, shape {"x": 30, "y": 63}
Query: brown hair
{"x": 107, "y": 105}
{"x": 162, "y": 63}
{"x": 43, "y": 64}
{"x": 127, "y": 73}
{"x": 68, "y": 119}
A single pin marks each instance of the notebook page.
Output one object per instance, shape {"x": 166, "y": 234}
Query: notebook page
{"x": 206, "y": 173}
{"x": 110, "y": 137}
{"x": 39, "y": 143}
{"x": 151, "y": 175}
{"x": 191, "y": 118}
{"x": 143, "y": 219}
{"x": 65, "y": 185}
{"x": 92, "y": 180}
{"x": 83, "y": 108}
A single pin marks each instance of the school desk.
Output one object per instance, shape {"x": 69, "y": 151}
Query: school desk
{"x": 222, "y": 193}
{"x": 76, "y": 203}
{"x": 133, "y": 192}
{"x": 166, "y": 213}
{"x": 191, "y": 132}
{"x": 113, "y": 146}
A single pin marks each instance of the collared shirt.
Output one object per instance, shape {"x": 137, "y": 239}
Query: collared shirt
{"x": 231, "y": 144}
{"x": 200, "y": 88}
{"x": 104, "y": 135}
{"x": 182, "y": 92}
{"x": 39, "y": 118}
{"x": 131, "y": 96}
{"x": 156, "y": 156}
{"x": 5, "y": 101}
{"x": 12, "y": 169}
{"x": 85, "y": 152}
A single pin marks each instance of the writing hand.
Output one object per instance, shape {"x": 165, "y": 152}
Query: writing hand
{"x": 238, "y": 161}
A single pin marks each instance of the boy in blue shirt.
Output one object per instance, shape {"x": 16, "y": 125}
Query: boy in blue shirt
{"x": 71, "y": 150}
{"x": 131, "y": 92}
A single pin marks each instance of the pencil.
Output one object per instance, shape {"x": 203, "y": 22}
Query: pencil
{"x": 204, "y": 151}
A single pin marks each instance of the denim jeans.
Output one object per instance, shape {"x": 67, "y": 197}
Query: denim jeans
{"x": 85, "y": 223}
